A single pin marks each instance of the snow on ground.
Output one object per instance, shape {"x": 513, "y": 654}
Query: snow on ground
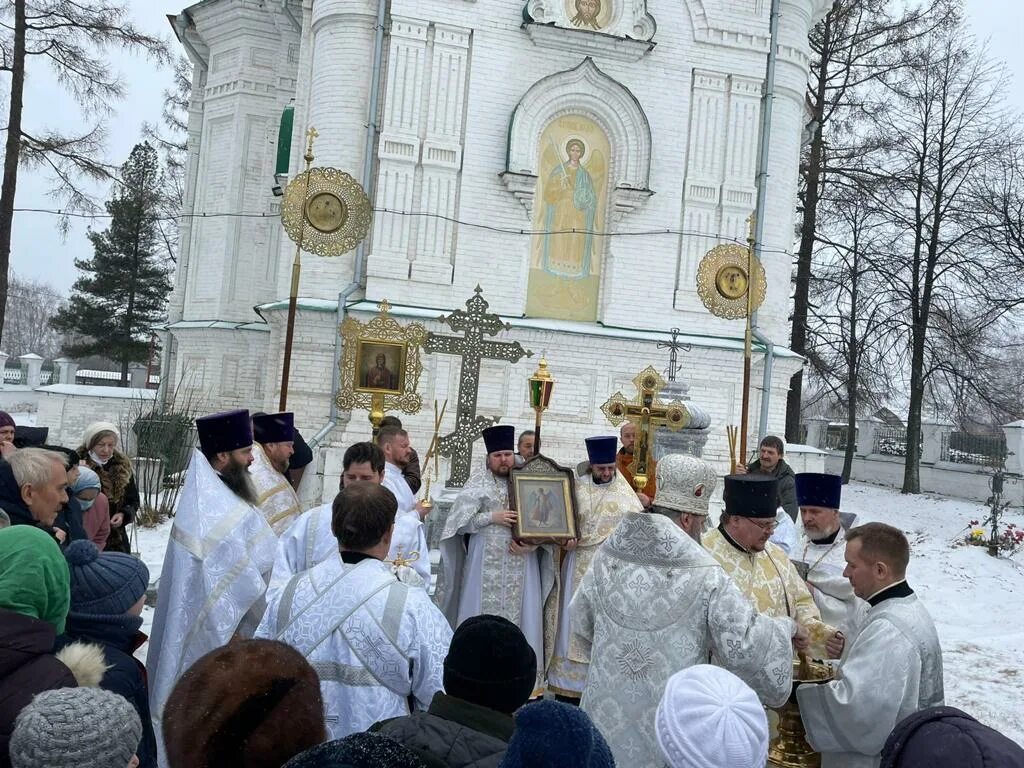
{"x": 977, "y": 601}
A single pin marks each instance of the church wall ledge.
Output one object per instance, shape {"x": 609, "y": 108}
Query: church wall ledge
{"x": 535, "y": 324}
{"x": 588, "y": 43}
{"x": 223, "y": 325}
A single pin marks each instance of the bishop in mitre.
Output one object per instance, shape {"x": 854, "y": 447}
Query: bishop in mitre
{"x": 760, "y": 568}
{"x": 889, "y": 671}
{"x": 603, "y": 498}
{"x": 217, "y": 563}
{"x": 310, "y": 541}
{"x": 274, "y": 435}
{"x": 821, "y": 546}
{"x": 483, "y": 568}
{"x": 655, "y": 602}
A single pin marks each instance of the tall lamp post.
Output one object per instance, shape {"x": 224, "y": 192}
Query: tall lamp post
{"x": 541, "y": 385}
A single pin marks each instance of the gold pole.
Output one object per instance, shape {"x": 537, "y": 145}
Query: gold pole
{"x": 747, "y": 338}
{"x": 293, "y": 295}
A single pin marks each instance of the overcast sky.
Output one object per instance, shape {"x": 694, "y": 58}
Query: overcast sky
{"x": 38, "y": 250}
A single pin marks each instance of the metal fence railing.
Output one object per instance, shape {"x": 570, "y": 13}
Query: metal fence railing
{"x": 890, "y": 441}
{"x": 836, "y": 438}
{"x": 987, "y": 449}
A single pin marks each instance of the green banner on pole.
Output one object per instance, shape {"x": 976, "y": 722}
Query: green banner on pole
{"x": 284, "y": 140}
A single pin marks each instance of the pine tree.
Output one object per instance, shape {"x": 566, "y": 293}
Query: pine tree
{"x": 122, "y": 291}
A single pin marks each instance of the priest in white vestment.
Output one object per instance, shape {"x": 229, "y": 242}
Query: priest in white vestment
{"x": 654, "y": 602}
{"x": 394, "y": 442}
{"x": 603, "y": 498}
{"x": 376, "y": 643}
{"x": 760, "y": 568}
{"x": 309, "y": 541}
{"x": 492, "y": 572}
{"x": 889, "y": 671}
{"x": 274, "y": 435}
{"x": 217, "y": 563}
{"x": 818, "y": 556}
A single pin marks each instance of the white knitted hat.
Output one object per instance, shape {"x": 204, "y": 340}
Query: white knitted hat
{"x": 95, "y": 428}
{"x": 709, "y": 718}
{"x": 685, "y": 483}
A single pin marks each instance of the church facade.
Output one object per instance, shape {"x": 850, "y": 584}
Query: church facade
{"x": 573, "y": 158}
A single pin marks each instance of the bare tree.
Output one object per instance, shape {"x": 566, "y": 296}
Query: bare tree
{"x": 72, "y": 37}
{"x": 939, "y": 130}
{"x": 30, "y": 305}
{"x": 856, "y": 43}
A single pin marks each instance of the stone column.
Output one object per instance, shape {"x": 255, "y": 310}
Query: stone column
{"x": 1014, "y": 432}
{"x": 866, "y": 431}
{"x": 66, "y": 370}
{"x": 932, "y": 431}
{"x": 817, "y": 426}
{"x": 32, "y": 367}
{"x": 3, "y": 366}
{"x": 137, "y": 376}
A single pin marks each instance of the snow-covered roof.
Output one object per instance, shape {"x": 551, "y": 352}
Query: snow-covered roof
{"x": 82, "y": 390}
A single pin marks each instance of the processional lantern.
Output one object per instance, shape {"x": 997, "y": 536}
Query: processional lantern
{"x": 325, "y": 212}
{"x": 541, "y": 386}
{"x": 732, "y": 284}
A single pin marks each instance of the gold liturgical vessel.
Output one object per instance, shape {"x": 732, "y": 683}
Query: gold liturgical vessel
{"x": 789, "y": 747}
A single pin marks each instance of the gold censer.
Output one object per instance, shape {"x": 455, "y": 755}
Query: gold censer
{"x": 789, "y": 747}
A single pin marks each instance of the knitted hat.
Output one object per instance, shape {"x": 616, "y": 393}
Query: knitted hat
{"x": 816, "y": 489}
{"x": 751, "y": 495}
{"x": 104, "y": 583}
{"x": 360, "y": 750}
{"x": 255, "y": 703}
{"x": 95, "y": 428}
{"x": 601, "y": 450}
{"x": 273, "y": 427}
{"x": 709, "y": 718}
{"x": 550, "y": 734}
{"x": 86, "y": 479}
{"x": 946, "y": 737}
{"x": 76, "y": 728}
{"x": 500, "y": 437}
{"x": 489, "y": 663}
{"x": 33, "y": 575}
{"x": 226, "y": 431}
{"x": 685, "y": 483}
{"x": 6, "y": 420}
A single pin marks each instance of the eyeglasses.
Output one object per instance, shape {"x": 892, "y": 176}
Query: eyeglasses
{"x": 768, "y": 527}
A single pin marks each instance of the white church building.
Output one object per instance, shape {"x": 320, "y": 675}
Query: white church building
{"x": 484, "y": 127}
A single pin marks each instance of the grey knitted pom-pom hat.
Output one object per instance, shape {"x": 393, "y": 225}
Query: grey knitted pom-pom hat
{"x": 76, "y": 728}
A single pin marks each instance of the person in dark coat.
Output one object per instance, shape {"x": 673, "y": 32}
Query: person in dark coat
{"x": 489, "y": 672}
{"x": 34, "y": 599}
{"x": 550, "y": 734}
{"x": 100, "y": 453}
{"x": 108, "y": 591}
{"x": 946, "y": 737}
{"x": 300, "y": 459}
{"x": 770, "y": 462}
{"x": 70, "y": 519}
{"x": 33, "y": 488}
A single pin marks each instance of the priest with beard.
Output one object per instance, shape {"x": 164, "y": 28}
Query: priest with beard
{"x": 217, "y": 562}
{"x": 275, "y": 443}
{"x": 654, "y": 602}
{"x": 603, "y": 498}
{"x": 819, "y": 553}
{"x": 483, "y": 568}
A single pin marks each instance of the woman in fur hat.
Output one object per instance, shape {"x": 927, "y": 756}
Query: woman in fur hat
{"x": 99, "y": 452}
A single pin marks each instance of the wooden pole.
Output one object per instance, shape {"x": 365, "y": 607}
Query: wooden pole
{"x": 747, "y": 340}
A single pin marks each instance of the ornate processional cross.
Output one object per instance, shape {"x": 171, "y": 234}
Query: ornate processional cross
{"x": 474, "y": 323}
{"x": 647, "y": 412}
{"x": 674, "y": 347}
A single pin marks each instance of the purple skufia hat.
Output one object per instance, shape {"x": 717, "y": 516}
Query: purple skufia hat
{"x": 224, "y": 432}
{"x": 274, "y": 427}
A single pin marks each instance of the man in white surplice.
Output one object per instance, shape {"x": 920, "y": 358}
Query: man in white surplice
{"x": 603, "y": 497}
{"x": 309, "y": 541}
{"x": 889, "y": 671}
{"x": 274, "y": 434}
{"x": 375, "y": 642}
{"x": 217, "y": 562}
{"x": 394, "y": 442}
{"x": 654, "y": 602}
{"x": 493, "y": 573}
{"x": 818, "y": 555}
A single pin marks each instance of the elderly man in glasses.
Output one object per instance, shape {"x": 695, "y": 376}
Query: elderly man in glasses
{"x": 760, "y": 568}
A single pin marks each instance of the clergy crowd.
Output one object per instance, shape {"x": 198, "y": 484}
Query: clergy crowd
{"x": 637, "y": 634}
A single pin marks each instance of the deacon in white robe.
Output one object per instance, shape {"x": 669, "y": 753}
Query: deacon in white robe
{"x": 653, "y": 603}
{"x": 217, "y": 562}
{"x": 889, "y": 671}
{"x": 309, "y": 541}
{"x": 376, "y": 644}
{"x": 603, "y": 498}
{"x": 274, "y": 434}
{"x": 819, "y": 553}
{"x": 394, "y": 443}
{"x": 492, "y": 573}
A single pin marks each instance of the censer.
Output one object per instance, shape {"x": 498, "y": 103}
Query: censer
{"x": 789, "y": 748}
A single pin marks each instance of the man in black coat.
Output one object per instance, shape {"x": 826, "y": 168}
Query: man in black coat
{"x": 33, "y": 488}
{"x": 770, "y": 462}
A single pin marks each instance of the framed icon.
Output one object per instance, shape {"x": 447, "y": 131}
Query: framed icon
{"x": 543, "y": 493}
{"x": 380, "y": 367}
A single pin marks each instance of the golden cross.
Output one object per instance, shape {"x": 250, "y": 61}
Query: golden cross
{"x": 647, "y": 412}
{"x": 384, "y": 306}
{"x": 311, "y": 135}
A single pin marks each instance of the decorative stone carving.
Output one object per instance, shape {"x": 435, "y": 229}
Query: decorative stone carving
{"x": 617, "y": 29}
{"x": 584, "y": 90}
